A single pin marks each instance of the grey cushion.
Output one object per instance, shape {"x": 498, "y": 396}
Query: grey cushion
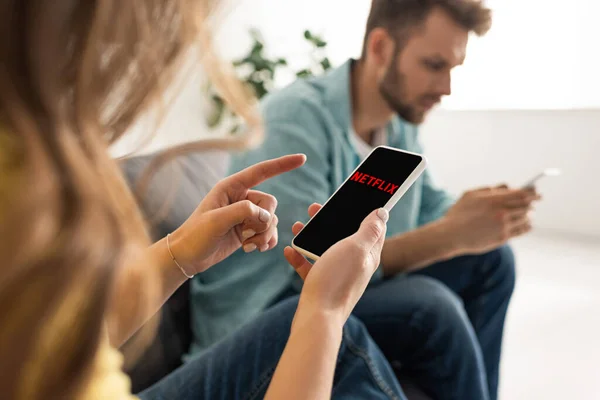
{"x": 178, "y": 187}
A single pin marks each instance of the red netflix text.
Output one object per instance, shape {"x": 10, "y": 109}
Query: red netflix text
{"x": 374, "y": 182}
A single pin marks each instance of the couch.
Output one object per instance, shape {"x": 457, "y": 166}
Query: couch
{"x": 175, "y": 191}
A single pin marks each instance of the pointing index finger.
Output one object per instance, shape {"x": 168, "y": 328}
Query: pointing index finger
{"x": 258, "y": 173}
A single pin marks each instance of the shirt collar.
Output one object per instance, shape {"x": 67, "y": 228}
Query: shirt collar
{"x": 338, "y": 95}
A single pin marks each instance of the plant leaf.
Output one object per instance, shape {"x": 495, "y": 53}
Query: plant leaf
{"x": 305, "y": 73}
{"x": 325, "y": 63}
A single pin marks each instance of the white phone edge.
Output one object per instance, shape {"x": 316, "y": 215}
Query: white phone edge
{"x": 391, "y": 202}
{"x": 547, "y": 172}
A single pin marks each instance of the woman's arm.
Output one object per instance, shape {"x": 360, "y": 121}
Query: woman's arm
{"x": 306, "y": 368}
{"x": 218, "y": 227}
{"x": 332, "y": 287}
{"x": 127, "y": 314}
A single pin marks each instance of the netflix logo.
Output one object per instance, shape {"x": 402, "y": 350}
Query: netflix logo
{"x": 374, "y": 182}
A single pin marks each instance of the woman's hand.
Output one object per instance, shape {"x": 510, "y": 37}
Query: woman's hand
{"x": 339, "y": 278}
{"x": 230, "y": 216}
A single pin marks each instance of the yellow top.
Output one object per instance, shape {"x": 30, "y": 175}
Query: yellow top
{"x": 107, "y": 380}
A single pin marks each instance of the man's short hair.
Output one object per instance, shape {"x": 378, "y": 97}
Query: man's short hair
{"x": 399, "y": 16}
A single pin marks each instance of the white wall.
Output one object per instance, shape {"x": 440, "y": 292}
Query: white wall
{"x": 184, "y": 121}
{"x": 340, "y": 22}
{"x": 473, "y": 148}
{"x": 538, "y": 54}
{"x": 282, "y": 24}
{"x": 519, "y": 65}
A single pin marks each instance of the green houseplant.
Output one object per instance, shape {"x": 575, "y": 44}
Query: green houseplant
{"x": 259, "y": 71}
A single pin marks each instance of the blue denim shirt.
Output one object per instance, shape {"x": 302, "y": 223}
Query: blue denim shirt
{"x": 312, "y": 117}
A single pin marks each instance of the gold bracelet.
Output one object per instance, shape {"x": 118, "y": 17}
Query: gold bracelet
{"x": 175, "y": 260}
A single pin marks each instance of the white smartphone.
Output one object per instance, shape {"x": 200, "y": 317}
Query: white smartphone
{"x": 379, "y": 181}
{"x": 547, "y": 172}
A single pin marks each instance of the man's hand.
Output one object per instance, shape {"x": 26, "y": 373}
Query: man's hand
{"x": 485, "y": 219}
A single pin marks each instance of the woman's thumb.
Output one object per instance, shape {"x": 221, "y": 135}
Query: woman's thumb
{"x": 372, "y": 228}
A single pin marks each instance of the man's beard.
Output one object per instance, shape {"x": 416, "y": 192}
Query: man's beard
{"x": 392, "y": 89}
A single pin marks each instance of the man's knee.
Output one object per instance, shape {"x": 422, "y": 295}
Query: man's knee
{"x": 441, "y": 308}
{"x": 444, "y": 326}
{"x": 416, "y": 310}
{"x": 501, "y": 269}
{"x": 356, "y": 339}
{"x": 355, "y": 330}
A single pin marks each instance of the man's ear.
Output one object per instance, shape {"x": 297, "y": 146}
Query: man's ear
{"x": 380, "y": 48}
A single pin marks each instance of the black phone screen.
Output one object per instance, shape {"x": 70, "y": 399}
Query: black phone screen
{"x": 370, "y": 187}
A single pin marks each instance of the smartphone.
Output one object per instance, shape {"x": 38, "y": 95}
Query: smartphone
{"x": 379, "y": 181}
{"x": 547, "y": 172}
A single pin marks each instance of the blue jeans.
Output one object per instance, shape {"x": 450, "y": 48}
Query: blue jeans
{"x": 442, "y": 326}
{"x": 242, "y": 365}
{"x": 484, "y": 284}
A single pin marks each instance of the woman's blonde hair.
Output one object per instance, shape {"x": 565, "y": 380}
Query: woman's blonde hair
{"x": 74, "y": 76}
